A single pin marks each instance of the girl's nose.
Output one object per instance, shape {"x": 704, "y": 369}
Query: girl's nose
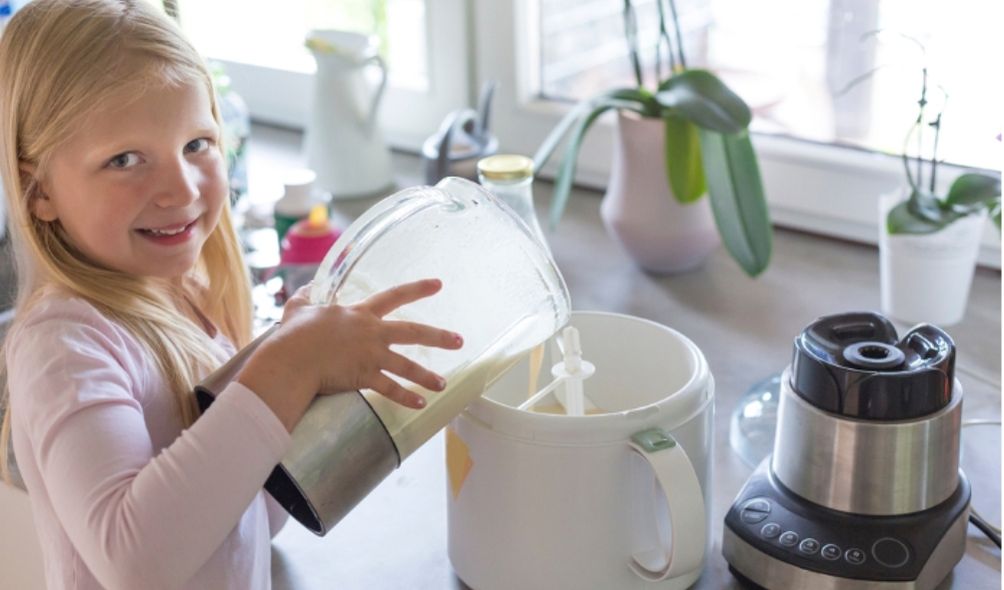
{"x": 178, "y": 185}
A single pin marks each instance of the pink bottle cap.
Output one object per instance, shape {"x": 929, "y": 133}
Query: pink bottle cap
{"x": 309, "y": 240}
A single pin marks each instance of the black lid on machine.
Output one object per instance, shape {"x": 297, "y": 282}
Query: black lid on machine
{"x": 853, "y": 364}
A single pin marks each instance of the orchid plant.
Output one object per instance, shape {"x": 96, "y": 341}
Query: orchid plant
{"x": 924, "y": 212}
{"x": 707, "y": 145}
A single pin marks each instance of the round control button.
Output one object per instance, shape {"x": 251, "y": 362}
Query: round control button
{"x": 754, "y": 511}
{"x": 831, "y": 552}
{"x": 809, "y": 546}
{"x": 890, "y": 552}
{"x": 789, "y": 539}
{"x": 770, "y": 530}
{"x": 854, "y": 556}
{"x": 758, "y": 505}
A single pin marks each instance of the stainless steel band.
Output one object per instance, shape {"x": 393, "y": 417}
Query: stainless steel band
{"x": 340, "y": 451}
{"x": 867, "y": 467}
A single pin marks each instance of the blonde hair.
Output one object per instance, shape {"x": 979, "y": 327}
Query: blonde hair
{"x": 58, "y": 58}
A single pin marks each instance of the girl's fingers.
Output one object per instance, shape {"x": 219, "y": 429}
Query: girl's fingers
{"x": 387, "y": 301}
{"x": 412, "y": 371}
{"x": 393, "y": 391}
{"x": 303, "y": 293}
{"x": 413, "y": 333}
{"x": 299, "y": 299}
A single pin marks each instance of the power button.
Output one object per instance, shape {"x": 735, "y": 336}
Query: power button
{"x": 754, "y": 511}
{"x": 890, "y": 552}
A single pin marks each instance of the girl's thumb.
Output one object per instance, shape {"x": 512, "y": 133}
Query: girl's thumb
{"x": 300, "y": 298}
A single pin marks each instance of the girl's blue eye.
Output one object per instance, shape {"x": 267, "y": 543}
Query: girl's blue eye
{"x": 197, "y": 145}
{"x": 124, "y": 160}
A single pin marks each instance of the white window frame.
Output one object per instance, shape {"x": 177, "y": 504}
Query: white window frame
{"x": 407, "y": 116}
{"x": 813, "y": 187}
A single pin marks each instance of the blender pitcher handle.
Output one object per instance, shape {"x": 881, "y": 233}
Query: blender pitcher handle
{"x": 675, "y": 473}
{"x": 370, "y": 121}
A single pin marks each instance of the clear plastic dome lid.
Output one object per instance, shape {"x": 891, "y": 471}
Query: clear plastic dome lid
{"x": 501, "y": 290}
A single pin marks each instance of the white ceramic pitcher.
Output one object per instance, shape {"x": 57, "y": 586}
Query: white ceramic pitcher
{"x": 343, "y": 143}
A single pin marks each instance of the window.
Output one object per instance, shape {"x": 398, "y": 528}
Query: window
{"x": 261, "y": 45}
{"x": 807, "y": 75}
{"x": 396, "y": 22}
{"x": 793, "y": 63}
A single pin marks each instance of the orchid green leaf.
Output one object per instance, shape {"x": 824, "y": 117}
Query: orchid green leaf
{"x": 903, "y": 219}
{"x": 634, "y": 99}
{"x": 551, "y": 142}
{"x": 926, "y": 206}
{"x": 702, "y": 98}
{"x": 973, "y": 189}
{"x": 683, "y": 160}
{"x": 737, "y": 198}
{"x": 566, "y": 170}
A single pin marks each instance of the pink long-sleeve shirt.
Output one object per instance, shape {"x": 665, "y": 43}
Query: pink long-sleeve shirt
{"x": 122, "y": 496}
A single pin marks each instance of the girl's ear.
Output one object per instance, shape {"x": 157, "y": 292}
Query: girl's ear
{"x": 39, "y": 203}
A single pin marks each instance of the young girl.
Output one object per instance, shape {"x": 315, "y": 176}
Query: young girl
{"x": 131, "y": 288}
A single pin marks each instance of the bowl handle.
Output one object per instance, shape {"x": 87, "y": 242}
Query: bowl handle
{"x": 675, "y": 473}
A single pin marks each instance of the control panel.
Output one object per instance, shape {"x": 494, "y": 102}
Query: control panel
{"x": 777, "y": 522}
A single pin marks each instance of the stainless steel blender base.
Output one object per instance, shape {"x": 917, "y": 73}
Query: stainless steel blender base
{"x": 778, "y": 540}
{"x": 768, "y": 572}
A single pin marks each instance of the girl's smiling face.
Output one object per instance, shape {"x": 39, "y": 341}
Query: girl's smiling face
{"x": 141, "y": 184}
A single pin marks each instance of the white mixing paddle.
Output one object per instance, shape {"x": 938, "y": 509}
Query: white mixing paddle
{"x": 571, "y": 372}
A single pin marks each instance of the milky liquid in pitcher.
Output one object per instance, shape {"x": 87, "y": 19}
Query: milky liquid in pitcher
{"x": 411, "y": 428}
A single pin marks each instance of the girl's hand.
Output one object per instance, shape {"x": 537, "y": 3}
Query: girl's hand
{"x": 333, "y": 348}
{"x": 352, "y": 343}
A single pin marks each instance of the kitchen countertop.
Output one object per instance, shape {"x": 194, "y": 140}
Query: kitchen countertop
{"x": 396, "y": 538}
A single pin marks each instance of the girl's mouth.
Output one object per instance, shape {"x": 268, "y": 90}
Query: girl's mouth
{"x": 168, "y": 236}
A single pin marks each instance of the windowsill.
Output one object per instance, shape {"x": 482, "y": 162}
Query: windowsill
{"x": 852, "y": 219}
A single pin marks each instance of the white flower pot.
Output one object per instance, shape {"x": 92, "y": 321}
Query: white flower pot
{"x": 639, "y": 210}
{"x": 926, "y": 277}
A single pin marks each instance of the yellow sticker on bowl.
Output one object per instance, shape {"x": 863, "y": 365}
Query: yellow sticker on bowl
{"x": 458, "y": 460}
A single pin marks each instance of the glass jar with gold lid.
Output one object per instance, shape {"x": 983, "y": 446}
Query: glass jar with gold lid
{"x": 510, "y": 178}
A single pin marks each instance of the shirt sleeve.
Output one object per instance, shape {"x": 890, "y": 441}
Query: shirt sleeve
{"x": 136, "y": 519}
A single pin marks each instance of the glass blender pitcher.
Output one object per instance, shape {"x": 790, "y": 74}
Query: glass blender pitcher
{"x": 501, "y": 291}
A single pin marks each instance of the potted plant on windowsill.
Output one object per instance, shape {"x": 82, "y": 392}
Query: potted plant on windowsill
{"x": 687, "y": 137}
{"x": 928, "y": 245}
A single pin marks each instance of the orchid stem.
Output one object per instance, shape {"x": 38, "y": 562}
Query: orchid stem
{"x": 664, "y": 37}
{"x": 934, "y": 152}
{"x": 679, "y": 37}
{"x": 631, "y": 32}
